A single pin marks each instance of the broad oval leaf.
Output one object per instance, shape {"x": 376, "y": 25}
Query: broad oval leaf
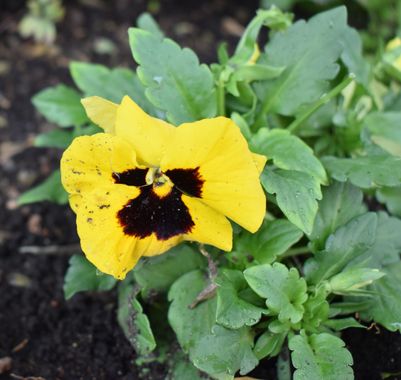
{"x": 61, "y": 105}
{"x": 175, "y": 81}
{"x": 365, "y": 172}
{"x": 309, "y": 50}
{"x": 297, "y": 194}
{"x": 82, "y": 275}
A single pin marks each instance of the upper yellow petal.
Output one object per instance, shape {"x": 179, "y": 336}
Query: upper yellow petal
{"x": 211, "y": 227}
{"x": 147, "y": 135}
{"x": 227, "y": 167}
{"x": 101, "y": 111}
{"x": 90, "y": 162}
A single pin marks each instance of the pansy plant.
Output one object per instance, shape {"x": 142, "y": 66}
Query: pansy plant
{"x": 174, "y": 163}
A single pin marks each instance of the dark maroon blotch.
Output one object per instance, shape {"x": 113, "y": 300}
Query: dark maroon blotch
{"x": 148, "y": 213}
{"x": 131, "y": 177}
{"x": 188, "y": 181}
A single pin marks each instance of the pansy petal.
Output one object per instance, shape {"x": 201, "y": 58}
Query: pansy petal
{"x": 147, "y": 135}
{"x": 211, "y": 227}
{"x": 102, "y": 238}
{"x": 101, "y": 111}
{"x": 260, "y": 161}
{"x": 90, "y": 162}
{"x": 226, "y": 167}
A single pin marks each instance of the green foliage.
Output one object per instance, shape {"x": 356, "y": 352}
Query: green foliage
{"x": 347, "y": 244}
{"x": 320, "y": 357}
{"x": 82, "y": 275}
{"x": 61, "y": 105}
{"x": 175, "y": 82}
{"x": 385, "y": 304}
{"x": 157, "y": 274}
{"x": 296, "y": 194}
{"x": 232, "y": 311}
{"x": 49, "y": 190}
{"x": 284, "y": 290}
{"x": 309, "y": 52}
{"x": 134, "y": 323}
{"x": 40, "y": 20}
{"x": 273, "y": 239}
{"x": 341, "y": 202}
{"x": 367, "y": 171}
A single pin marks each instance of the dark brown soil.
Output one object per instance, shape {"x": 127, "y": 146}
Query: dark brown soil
{"x": 42, "y": 333}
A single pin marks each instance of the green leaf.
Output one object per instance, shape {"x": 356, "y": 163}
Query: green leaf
{"x": 284, "y": 290}
{"x": 269, "y": 344}
{"x": 340, "y": 203}
{"x": 157, "y": 274}
{"x": 343, "y": 324}
{"x": 246, "y": 46}
{"x": 183, "y": 369}
{"x": 387, "y": 246}
{"x": 82, "y": 276}
{"x": 365, "y": 172}
{"x": 146, "y": 22}
{"x": 351, "y": 279}
{"x": 316, "y": 310}
{"x": 385, "y": 306}
{"x": 296, "y": 193}
{"x": 385, "y": 131}
{"x": 391, "y": 196}
{"x": 49, "y": 190}
{"x": 288, "y": 152}
{"x": 348, "y": 243}
{"x": 225, "y": 351}
{"x": 57, "y": 138}
{"x": 309, "y": 50}
{"x": 272, "y": 240}
{"x": 353, "y": 58}
{"x": 98, "y": 80}
{"x": 232, "y": 311}
{"x": 175, "y": 81}
{"x": 61, "y": 105}
{"x": 133, "y": 321}
{"x": 320, "y": 357}
{"x": 190, "y": 324}
{"x": 212, "y": 348}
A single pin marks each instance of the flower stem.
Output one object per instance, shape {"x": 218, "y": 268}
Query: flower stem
{"x": 320, "y": 102}
{"x": 295, "y": 252}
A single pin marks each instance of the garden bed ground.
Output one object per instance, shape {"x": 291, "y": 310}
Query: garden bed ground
{"x": 44, "y": 335}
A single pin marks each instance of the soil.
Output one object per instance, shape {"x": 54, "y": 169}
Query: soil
{"x": 44, "y": 335}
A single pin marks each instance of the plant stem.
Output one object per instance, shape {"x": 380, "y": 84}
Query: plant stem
{"x": 221, "y": 98}
{"x": 320, "y": 102}
{"x": 295, "y": 252}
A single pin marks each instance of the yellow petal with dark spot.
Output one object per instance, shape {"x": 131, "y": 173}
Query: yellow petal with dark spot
{"x": 147, "y": 135}
{"x": 89, "y": 162}
{"x": 101, "y": 111}
{"x": 226, "y": 165}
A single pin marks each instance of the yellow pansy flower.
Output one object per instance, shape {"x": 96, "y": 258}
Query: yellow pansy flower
{"x": 144, "y": 185}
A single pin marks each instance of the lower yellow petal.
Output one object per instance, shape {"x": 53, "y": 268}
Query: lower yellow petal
{"x": 227, "y": 167}
{"x": 101, "y": 111}
{"x": 90, "y": 162}
{"x": 211, "y": 227}
{"x": 147, "y": 135}
{"x": 102, "y": 238}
